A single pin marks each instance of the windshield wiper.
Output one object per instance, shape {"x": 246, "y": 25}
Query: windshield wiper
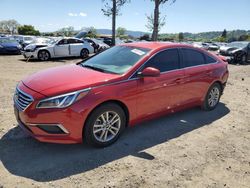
{"x": 94, "y": 68}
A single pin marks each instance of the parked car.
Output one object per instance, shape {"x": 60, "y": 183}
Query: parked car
{"x": 101, "y": 45}
{"x": 213, "y": 46}
{"x": 65, "y": 47}
{"x": 201, "y": 45}
{"x": 9, "y": 46}
{"x": 239, "y": 51}
{"x": 108, "y": 41}
{"x": 92, "y": 43}
{"x": 96, "y": 99}
{"x": 26, "y": 40}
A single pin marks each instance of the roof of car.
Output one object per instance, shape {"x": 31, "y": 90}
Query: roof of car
{"x": 156, "y": 45}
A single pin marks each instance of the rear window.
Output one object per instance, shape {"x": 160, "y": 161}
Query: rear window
{"x": 192, "y": 57}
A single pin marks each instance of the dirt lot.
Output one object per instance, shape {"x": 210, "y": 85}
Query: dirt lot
{"x": 188, "y": 149}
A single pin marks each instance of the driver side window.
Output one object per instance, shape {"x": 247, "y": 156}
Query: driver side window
{"x": 63, "y": 41}
{"x": 166, "y": 60}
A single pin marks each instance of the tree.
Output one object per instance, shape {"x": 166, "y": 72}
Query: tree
{"x": 156, "y": 18}
{"x": 91, "y": 32}
{"x": 150, "y": 24}
{"x": 27, "y": 30}
{"x": 181, "y": 36}
{"x": 243, "y": 38}
{"x": 67, "y": 31}
{"x": 224, "y": 34}
{"x": 9, "y": 26}
{"x": 112, "y": 8}
{"x": 120, "y": 31}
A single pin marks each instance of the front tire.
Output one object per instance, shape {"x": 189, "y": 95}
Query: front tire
{"x": 104, "y": 125}
{"x": 213, "y": 97}
{"x": 43, "y": 55}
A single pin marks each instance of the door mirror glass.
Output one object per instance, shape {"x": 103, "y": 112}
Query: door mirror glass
{"x": 149, "y": 72}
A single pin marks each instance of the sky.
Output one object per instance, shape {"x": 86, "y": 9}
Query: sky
{"x": 182, "y": 16}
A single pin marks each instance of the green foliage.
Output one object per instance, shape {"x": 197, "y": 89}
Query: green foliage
{"x": 92, "y": 33}
{"x": 66, "y": 31}
{"x": 120, "y": 31}
{"x": 224, "y": 34}
{"x": 28, "y": 30}
{"x": 208, "y": 36}
{"x": 181, "y": 36}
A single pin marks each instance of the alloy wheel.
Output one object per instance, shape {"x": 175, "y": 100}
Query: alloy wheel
{"x": 43, "y": 55}
{"x": 214, "y": 96}
{"x": 107, "y": 126}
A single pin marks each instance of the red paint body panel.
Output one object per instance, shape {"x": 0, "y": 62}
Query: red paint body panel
{"x": 145, "y": 98}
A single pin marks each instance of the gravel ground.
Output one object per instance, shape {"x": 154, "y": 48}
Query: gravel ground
{"x": 192, "y": 148}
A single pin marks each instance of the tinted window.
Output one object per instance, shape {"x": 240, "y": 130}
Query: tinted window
{"x": 63, "y": 41}
{"x": 74, "y": 41}
{"x": 210, "y": 59}
{"x": 165, "y": 61}
{"x": 192, "y": 57}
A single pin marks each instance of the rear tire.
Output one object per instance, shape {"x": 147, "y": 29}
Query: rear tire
{"x": 104, "y": 125}
{"x": 212, "y": 98}
{"x": 84, "y": 53}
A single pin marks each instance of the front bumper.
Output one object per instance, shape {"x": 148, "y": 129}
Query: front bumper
{"x": 28, "y": 54}
{"x": 51, "y": 125}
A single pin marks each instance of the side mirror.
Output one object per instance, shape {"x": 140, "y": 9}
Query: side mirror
{"x": 149, "y": 72}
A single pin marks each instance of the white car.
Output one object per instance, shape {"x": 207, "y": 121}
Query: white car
{"x": 65, "y": 47}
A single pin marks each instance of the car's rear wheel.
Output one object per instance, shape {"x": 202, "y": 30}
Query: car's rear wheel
{"x": 213, "y": 97}
{"x": 43, "y": 55}
{"x": 104, "y": 125}
{"x": 84, "y": 53}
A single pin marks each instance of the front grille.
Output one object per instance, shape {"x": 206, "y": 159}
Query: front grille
{"x": 22, "y": 99}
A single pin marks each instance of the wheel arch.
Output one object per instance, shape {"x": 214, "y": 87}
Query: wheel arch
{"x": 44, "y": 50}
{"x": 118, "y": 102}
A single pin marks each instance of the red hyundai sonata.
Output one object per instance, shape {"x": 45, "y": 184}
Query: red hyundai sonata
{"x": 96, "y": 99}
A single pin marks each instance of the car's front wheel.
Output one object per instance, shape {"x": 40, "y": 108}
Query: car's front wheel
{"x": 213, "y": 97}
{"x": 43, "y": 55}
{"x": 104, "y": 125}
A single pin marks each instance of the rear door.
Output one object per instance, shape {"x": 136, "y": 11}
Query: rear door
{"x": 75, "y": 47}
{"x": 61, "y": 49}
{"x": 157, "y": 94}
{"x": 197, "y": 74}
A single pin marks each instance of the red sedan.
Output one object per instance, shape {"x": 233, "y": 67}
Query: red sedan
{"x": 96, "y": 99}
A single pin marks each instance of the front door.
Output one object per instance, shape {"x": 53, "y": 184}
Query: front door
{"x": 158, "y": 94}
{"x": 61, "y": 49}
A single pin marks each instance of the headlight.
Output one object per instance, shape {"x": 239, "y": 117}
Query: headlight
{"x": 62, "y": 101}
{"x": 1, "y": 46}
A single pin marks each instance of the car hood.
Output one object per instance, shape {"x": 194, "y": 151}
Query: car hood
{"x": 35, "y": 45}
{"x": 68, "y": 78}
{"x": 227, "y": 48}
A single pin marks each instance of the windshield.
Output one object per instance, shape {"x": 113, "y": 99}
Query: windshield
{"x": 238, "y": 44}
{"x": 118, "y": 59}
{"x": 7, "y": 40}
{"x": 28, "y": 38}
{"x": 53, "y": 41}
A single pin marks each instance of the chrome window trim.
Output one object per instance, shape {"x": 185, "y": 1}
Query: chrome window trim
{"x": 178, "y": 48}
